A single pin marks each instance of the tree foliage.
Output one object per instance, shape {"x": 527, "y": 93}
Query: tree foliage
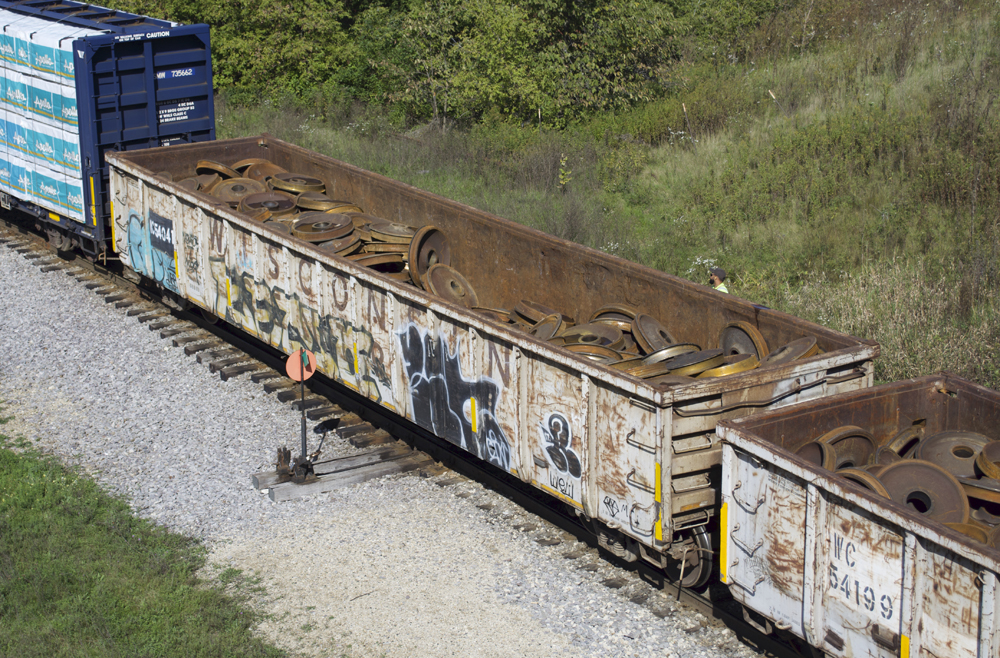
{"x": 547, "y": 61}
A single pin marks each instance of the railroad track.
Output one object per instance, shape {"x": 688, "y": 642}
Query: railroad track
{"x": 392, "y": 445}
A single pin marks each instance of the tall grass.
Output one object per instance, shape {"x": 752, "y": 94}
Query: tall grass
{"x": 925, "y": 318}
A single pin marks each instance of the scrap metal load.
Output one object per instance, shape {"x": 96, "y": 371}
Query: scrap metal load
{"x": 951, "y": 477}
{"x": 617, "y": 335}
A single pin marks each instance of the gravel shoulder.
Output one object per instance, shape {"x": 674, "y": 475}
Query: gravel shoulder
{"x": 394, "y": 567}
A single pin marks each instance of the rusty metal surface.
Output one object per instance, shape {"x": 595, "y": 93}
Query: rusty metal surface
{"x": 594, "y": 437}
{"x": 868, "y": 577}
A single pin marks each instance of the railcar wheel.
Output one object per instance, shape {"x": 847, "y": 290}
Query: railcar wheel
{"x": 692, "y": 548}
{"x": 208, "y": 316}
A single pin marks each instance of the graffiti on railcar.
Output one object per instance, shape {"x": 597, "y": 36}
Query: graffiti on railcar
{"x": 557, "y": 439}
{"x": 152, "y": 238}
{"x": 287, "y": 322}
{"x": 136, "y": 232}
{"x": 445, "y": 402}
{"x": 161, "y": 252}
{"x": 192, "y": 265}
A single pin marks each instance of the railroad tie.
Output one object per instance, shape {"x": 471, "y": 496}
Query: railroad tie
{"x": 323, "y": 412}
{"x": 216, "y": 366}
{"x": 208, "y": 357}
{"x": 184, "y": 340}
{"x": 164, "y": 323}
{"x": 53, "y": 267}
{"x": 280, "y": 385}
{"x": 154, "y": 315}
{"x": 308, "y": 403}
{"x": 126, "y": 303}
{"x": 324, "y": 484}
{"x": 173, "y": 331}
{"x": 191, "y": 350}
{"x": 33, "y": 255}
{"x": 347, "y": 430}
{"x": 117, "y": 297}
{"x": 264, "y": 375}
{"x": 376, "y": 438}
{"x": 324, "y": 467}
{"x": 139, "y": 310}
{"x": 232, "y": 371}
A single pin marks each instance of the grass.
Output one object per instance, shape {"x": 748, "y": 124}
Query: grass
{"x": 81, "y": 576}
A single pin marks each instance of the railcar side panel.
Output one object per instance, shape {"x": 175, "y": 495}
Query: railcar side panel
{"x": 853, "y": 573}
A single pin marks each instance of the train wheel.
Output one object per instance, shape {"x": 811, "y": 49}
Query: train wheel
{"x": 208, "y": 316}
{"x": 692, "y": 549}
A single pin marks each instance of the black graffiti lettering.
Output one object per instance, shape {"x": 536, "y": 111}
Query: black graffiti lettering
{"x": 439, "y": 394}
{"x": 271, "y": 315}
{"x": 612, "y": 506}
{"x": 558, "y": 437}
{"x": 561, "y": 484}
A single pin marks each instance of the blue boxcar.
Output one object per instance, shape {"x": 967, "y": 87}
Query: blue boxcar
{"x": 79, "y": 80}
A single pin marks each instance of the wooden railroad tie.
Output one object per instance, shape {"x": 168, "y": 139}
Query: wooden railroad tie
{"x": 267, "y": 479}
{"x": 138, "y": 310}
{"x": 117, "y": 297}
{"x": 308, "y": 403}
{"x": 216, "y": 366}
{"x": 323, "y": 412}
{"x": 193, "y": 349}
{"x": 332, "y": 482}
{"x": 264, "y": 375}
{"x": 154, "y": 315}
{"x": 369, "y": 439}
{"x": 279, "y": 385}
{"x": 208, "y": 357}
{"x": 174, "y": 331}
{"x": 233, "y": 371}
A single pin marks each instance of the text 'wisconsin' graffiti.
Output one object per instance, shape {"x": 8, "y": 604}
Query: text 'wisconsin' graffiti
{"x": 447, "y": 403}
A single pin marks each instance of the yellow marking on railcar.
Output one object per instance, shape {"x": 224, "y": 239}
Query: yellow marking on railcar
{"x": 658, "y": 497}
{"x": 904, "y": 647}
{"x": 472, "y": 402}
{"x": 356, "y": 372}
{"x": 723, "y": 541}
{"x": 229, "y": 292}
{"x": 54, "y": 217}
{"x": 561, "y": 496}
{"x": 114, "y": 239}
{"x": 177, "y": 268}
{"x": 93, "y": 201}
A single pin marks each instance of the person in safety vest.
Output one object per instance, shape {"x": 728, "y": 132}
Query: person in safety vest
{"x": 716, "y": 276}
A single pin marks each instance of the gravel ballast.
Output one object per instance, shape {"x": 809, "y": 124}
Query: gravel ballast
{"x": 393, "y": 567}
